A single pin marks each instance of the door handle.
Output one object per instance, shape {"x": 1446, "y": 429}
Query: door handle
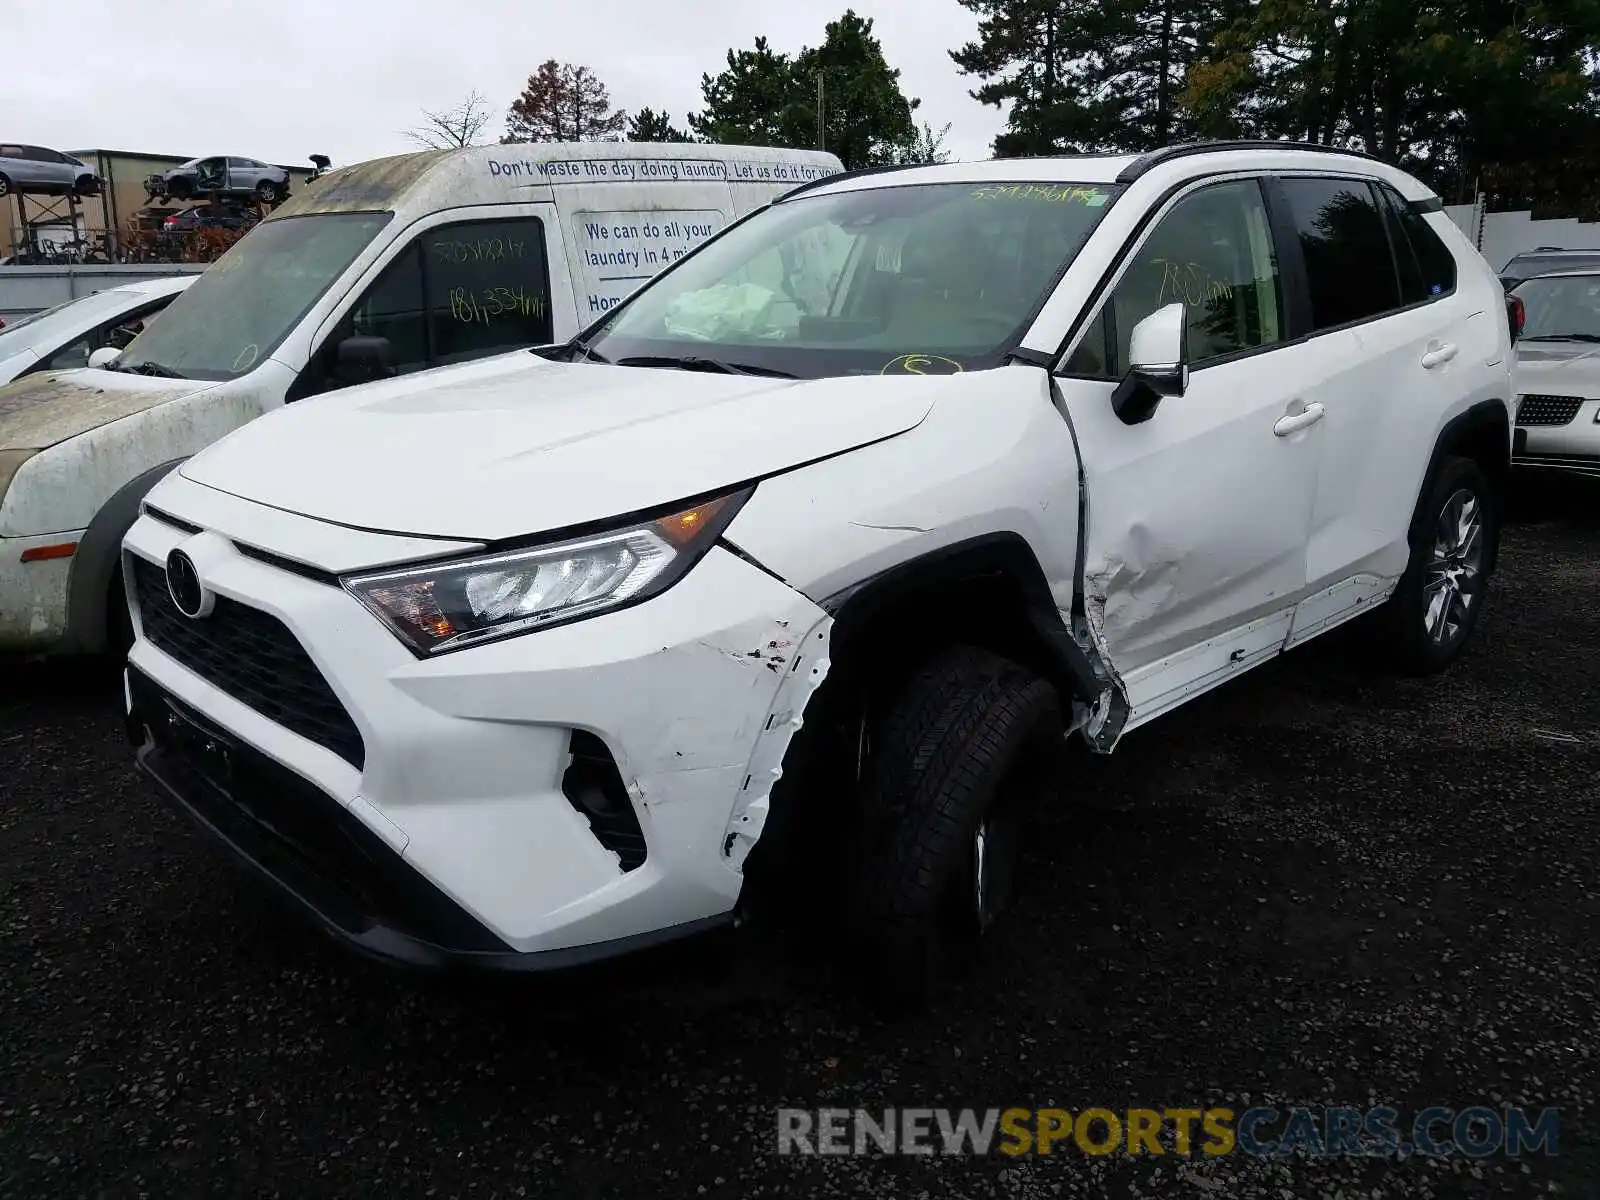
{"x": 1437, "y": 353}
{"x": 1304, "y": 419}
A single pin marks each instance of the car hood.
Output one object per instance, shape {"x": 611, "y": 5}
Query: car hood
{"x": 1568, "y": 368}
{"x": 517, "y": 445}
{"x": 40, "y": 410}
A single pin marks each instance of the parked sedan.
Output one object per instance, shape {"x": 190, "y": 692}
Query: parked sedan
{"x": 1558, "y": 373}
{"x": 38, "y": 171}
{"x": 1546, "y": 260}
{"x": 223, "y": 175}
{"x": 64, "y": 337}
{"x": 208, "y": 216}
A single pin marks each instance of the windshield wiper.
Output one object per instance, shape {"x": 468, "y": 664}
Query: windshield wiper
{"x": 1562, "y": 337}
{"x": 149, "y": 368}
{"x": 691, "y": 362}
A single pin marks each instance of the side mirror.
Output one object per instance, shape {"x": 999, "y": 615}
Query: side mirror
{"x": 1158, "y": 364}
{"x": 104, "y": 357}
{"x": 362, "y": 359}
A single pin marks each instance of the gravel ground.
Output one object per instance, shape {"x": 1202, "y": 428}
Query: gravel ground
{"x": 1316, "y": 886}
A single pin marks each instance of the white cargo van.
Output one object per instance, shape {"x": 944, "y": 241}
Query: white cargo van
{"x": 389, "y": 267}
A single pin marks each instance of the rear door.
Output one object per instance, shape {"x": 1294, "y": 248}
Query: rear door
{"x": 1412, "y": 341}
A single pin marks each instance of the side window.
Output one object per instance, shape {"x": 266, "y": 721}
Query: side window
{"x": 1349, "y": 267}
{"x": 486, "y": 287}
{"x": 392, "y": 307}
{"x": 457, "y": 292}
{"x": 1437, "y": 264}
{"x": 70, "y": 356}
{"x": 1213, "y": 252}
{"x": 1405, "y": 255}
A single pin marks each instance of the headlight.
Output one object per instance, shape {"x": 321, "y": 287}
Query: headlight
{"x": 450, "y": 605}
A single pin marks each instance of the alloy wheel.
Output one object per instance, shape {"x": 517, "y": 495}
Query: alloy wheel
{"x": 1454, "y": 573}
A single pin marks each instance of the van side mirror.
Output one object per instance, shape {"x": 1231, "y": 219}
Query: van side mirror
{"x": 362, "y": 359}
{"x": 105, "y": 356}
{"x": 1158, "y": 364}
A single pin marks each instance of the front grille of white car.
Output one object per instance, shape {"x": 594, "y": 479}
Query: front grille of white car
{"x": 1547, "y": 410}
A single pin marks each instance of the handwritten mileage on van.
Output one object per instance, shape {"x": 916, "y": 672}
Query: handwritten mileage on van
{"x": 482, "y": 306}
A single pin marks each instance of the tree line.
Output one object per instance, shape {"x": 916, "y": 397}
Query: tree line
{"x": 1498, "y": 97}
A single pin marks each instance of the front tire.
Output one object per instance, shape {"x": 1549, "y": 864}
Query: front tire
{"x": 1440, "y": 599}
{"x": 267, "y": 192}
{"x": 5, "y": 187}
{"x": 943, "y": 805}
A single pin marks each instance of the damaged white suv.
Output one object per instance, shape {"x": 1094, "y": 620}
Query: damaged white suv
{"x": 770, "y": 585}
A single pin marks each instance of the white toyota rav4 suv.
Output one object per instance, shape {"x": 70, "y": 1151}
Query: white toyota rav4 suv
{"x": 783, "y": 581}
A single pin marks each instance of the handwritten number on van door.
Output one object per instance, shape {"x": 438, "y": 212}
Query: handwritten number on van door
{"x": 482, "y": 307}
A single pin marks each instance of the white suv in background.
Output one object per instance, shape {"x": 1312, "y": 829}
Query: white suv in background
{"x": 782, "y": 582}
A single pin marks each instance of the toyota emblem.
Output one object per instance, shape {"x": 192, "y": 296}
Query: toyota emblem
{"x": 183, "y": 584}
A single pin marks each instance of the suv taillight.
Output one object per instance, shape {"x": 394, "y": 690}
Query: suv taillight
{"x": 1516, "y": 315}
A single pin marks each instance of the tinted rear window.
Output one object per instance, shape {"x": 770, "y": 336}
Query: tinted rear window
{"x": 1349, "y": 266}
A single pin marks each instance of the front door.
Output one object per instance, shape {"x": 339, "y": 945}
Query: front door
{"x": 1197, "y": 519}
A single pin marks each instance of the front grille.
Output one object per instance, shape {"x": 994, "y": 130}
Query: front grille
{"x": 253, "y": 657}
{"x": 1547, "y": 410}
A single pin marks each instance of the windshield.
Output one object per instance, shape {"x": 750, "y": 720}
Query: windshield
{"x": 63, "y": 320}
{"x": 927, "y": 278}
{"x": 1561, "y": 307}
{"x": 235, "y": 314}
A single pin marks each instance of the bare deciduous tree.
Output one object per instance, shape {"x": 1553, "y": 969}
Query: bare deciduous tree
{"x": 450, "y": 128}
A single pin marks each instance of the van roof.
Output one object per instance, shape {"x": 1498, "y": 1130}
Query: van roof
{"x": 431, "y": 180}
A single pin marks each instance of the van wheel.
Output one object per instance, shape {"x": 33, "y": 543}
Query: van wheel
{"x": 1440, "y": 598}
{"x": 945, "y": 793}
{"x": 267, "y": 192}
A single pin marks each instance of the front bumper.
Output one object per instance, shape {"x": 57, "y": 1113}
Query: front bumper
{"x": 453, "y": 775}
{"x": 306, "y": 845}
{"x": 1573, "y": 446}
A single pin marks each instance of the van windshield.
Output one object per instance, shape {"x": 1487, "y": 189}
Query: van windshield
{"x": 918, "y": 279}
{"x": 235, "y": 314}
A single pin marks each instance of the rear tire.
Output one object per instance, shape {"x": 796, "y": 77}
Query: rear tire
{"x": 942, "y": 811}
{"x": 1439, "y": 600}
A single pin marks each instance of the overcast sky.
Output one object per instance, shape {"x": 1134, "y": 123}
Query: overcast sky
{"x": 283, "y": 79}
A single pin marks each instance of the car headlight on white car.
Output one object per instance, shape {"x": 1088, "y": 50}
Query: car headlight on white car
{"x": 449, "y": 605}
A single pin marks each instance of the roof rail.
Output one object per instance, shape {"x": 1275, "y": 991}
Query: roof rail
{"x": 838, "y": 175}
{"x": 1166, "y": 153}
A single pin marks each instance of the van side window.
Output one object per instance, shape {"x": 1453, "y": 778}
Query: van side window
{"x": 392, "y": 308}
{"x": 1213, "y": 252}
{"x": 1349, "y": 266}
{"x": 457, "y": 292}
{"x": 487, "y": 288}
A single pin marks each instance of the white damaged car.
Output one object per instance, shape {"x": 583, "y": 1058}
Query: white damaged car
{"x": 773, "y": 583}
